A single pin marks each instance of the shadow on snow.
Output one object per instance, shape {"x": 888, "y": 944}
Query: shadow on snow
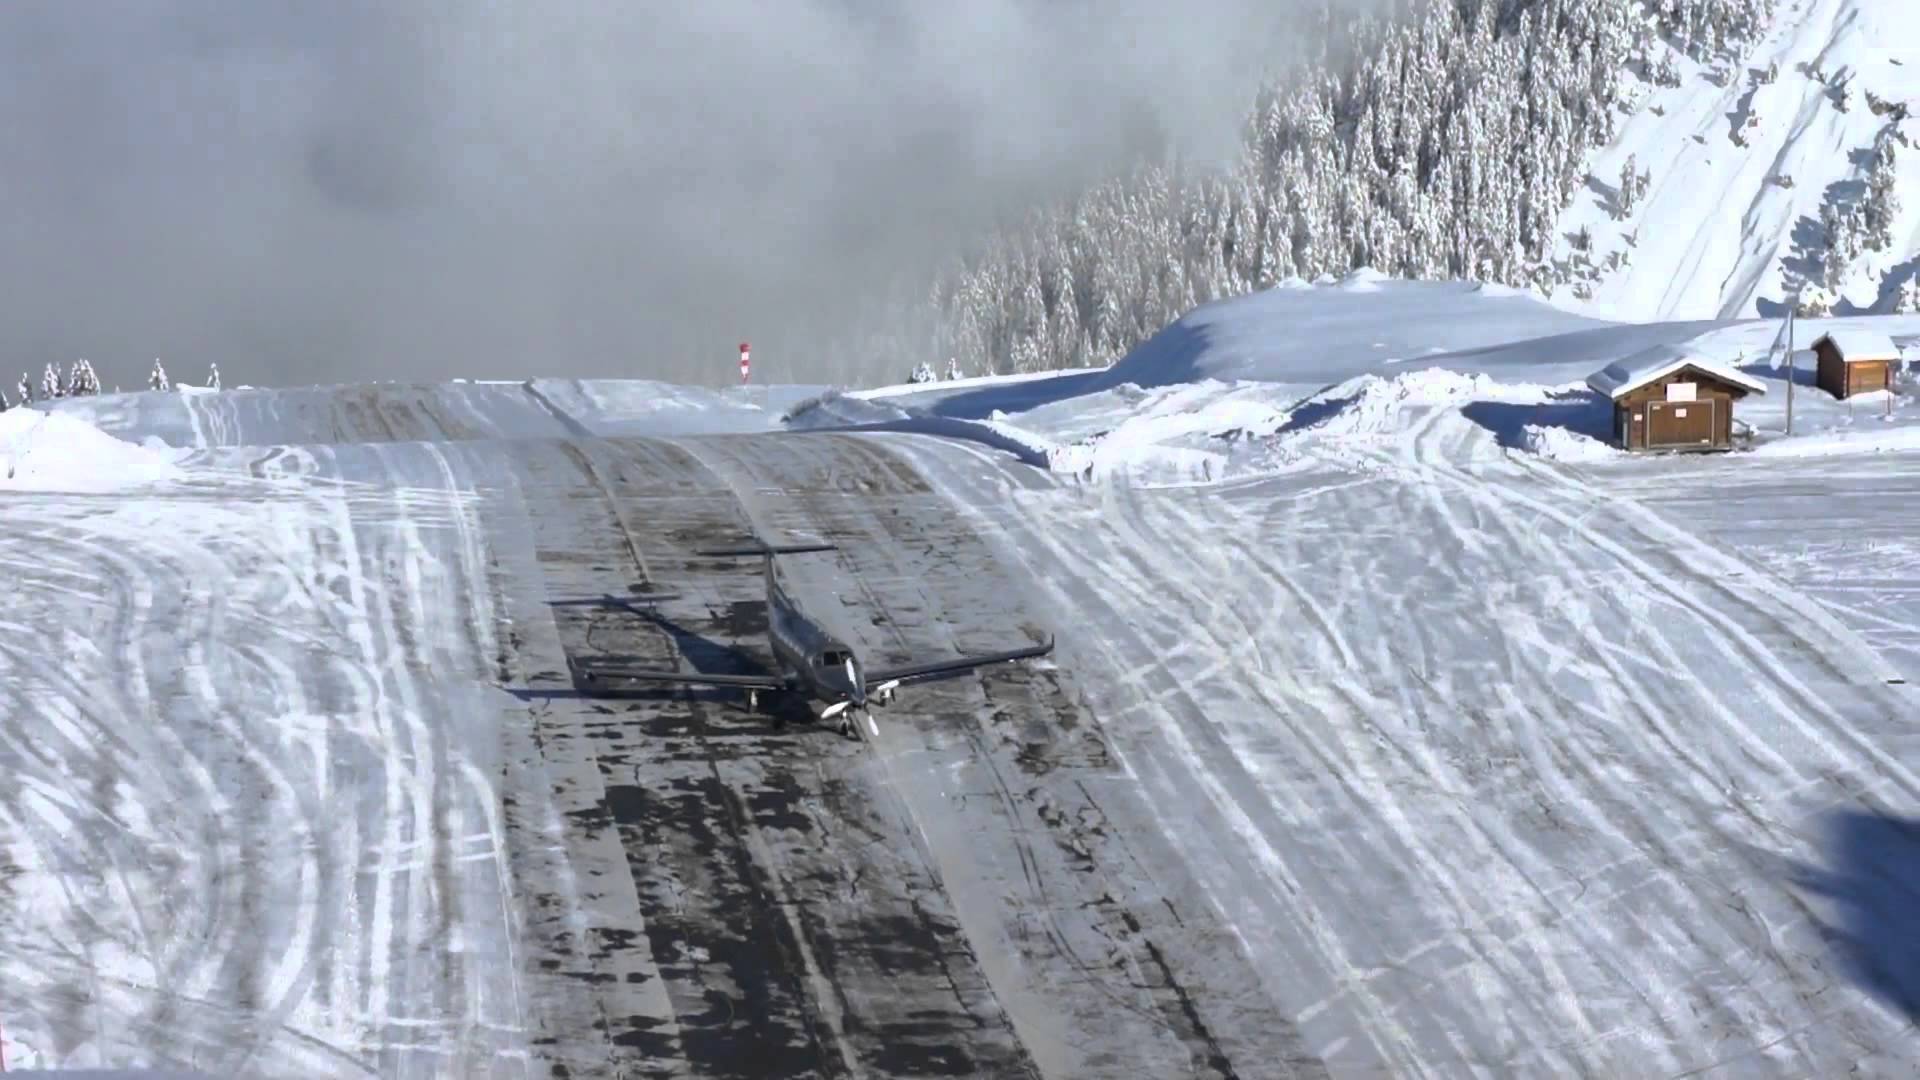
{"x": 1582, "y": 412}
{"x": 1872, "y": 879}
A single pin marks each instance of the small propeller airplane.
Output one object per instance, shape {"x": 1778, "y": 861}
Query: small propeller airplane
{"x": 811, "y": 662}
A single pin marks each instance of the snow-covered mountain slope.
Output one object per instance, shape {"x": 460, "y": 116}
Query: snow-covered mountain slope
{"x": 1725, "y": 230}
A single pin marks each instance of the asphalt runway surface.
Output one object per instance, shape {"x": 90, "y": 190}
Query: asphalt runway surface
{"x": 953, "y": 897}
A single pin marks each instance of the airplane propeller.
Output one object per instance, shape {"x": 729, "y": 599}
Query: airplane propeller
{"x": 846, "y": 711}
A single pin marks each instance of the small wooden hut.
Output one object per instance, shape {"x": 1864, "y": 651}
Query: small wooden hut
{"x": 1666, "y": 398}
{"x": 1855, "y": 362}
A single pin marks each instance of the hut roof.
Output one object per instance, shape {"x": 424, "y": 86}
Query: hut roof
{"x": 1857, "y": 346}
{"x": 1630, "y": 373}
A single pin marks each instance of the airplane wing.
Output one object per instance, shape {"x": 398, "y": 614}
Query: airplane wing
{"x": 907, "y": 672}
{"x": 752, "y": 682}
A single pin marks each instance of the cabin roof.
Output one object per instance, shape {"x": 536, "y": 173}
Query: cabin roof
{"x": 1630, "y": 373}
{"x": 1860, "y": 346}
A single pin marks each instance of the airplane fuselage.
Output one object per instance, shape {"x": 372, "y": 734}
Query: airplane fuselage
{"x": 819, "y": 665}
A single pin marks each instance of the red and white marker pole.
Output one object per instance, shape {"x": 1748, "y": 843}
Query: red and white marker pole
{"x": 745, "y": 368}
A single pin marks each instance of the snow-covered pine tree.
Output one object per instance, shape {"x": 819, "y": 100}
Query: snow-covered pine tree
{"x": 1815, "y": 303}
{"x": 922, "y": 373}
{"x": 1447, "y": 150}
{"x": 1833, "y": 267}
{"x": 50, "y": 387}
{"x": 1882, "y": 202}
{"x": 953, "y": 369}
{"x": 1629, "y": 186}
{"x": 24, "y": 390}
{"x": 1907, "y": 301}
{"x": 4, "y": 403}
{"x": 1666, "y": 73}
{"x": 81, "y": 381}
{"x": 213, "y": 376}
{"x": 158, "y": 380}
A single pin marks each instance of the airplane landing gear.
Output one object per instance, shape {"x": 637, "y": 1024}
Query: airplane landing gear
{"x": 852, "y": 720}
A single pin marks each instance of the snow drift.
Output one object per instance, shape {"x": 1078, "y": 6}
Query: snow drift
{"x": 51, "y": 451}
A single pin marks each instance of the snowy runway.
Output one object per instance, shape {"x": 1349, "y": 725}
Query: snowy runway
{"x": 1411, "y": 755}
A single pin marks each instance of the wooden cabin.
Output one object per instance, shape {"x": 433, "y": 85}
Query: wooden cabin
{"x": 1666, "y": 398}
{"x": 1855, "y": 362}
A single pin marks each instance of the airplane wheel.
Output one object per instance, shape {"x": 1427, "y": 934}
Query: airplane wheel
{"x": 846, "y": 727}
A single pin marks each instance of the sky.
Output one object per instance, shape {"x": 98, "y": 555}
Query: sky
{"x": 314, "y": 193}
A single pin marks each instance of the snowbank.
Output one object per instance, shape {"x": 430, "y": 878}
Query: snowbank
{"x": 836, "y": 411}
{"x": 50, "y": 451}
{"x": 922, "y": 393}
{"x": 1330, "y": 332}
{"x": 1887, "y": 440}
{"x": 1372, "y": 405}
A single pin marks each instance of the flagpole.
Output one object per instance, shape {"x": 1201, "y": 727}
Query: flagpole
{"x": 1792, "y": 373}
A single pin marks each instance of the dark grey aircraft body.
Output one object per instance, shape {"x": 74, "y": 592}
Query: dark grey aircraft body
{"x": 811, "y": 662}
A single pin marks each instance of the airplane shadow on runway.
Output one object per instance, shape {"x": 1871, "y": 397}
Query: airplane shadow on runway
{"x": 1872, "y": 879}
{"x": 702, "y": 654}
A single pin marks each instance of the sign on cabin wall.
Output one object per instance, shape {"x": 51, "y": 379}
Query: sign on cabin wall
{"x": 1681, "y": 391}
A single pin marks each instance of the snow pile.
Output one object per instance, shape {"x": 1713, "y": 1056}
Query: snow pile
{"x": 1330, "y": 332}
{"x": 52, "y": 451}
{"x": 1564, "y": 444}
{"x": 1176, "y": 435}
{"x": 1373, "y": 406}
{"x": 836, "y": 409}
{"x": 926, "y": 393}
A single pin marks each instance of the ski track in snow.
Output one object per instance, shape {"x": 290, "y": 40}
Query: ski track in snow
{"x": 1444, "y": 687}
{"x": 288, "y": 829}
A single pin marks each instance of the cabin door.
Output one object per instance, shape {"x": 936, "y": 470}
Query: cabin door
{"x": 1680, "y": 424}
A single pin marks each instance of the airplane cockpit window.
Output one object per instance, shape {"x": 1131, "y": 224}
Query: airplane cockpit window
{"x": 833, "y": 658}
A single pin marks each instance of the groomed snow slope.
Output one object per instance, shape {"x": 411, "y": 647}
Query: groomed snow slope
{"x": 1396, "y": 725}
{"x": 1510, "y": 752}
{"x": 1717, "y": 235}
